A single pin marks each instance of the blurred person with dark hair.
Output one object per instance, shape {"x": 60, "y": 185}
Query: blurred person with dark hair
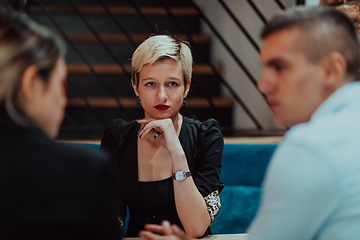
{"x": 310, "y": 59}
{"x": 48, "y": 190}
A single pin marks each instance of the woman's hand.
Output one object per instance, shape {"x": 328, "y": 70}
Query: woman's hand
{"x": 167, "y": 232}
{"x": 163, "y": 131}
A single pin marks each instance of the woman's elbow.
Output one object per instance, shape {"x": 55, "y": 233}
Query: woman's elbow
{"x": 196, "y": 231}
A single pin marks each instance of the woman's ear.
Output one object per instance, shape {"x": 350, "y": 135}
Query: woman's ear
{"x": 30, "y": 84}
{"x": 135, "y": 88}
{"x": 187, "y": 88}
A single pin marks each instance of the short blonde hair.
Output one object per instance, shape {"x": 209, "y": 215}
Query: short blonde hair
{"x": 160, "y": 47}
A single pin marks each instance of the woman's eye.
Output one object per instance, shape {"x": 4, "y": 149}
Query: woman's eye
{"x": 150, "y": 84}
{"x": 173, "y": 84}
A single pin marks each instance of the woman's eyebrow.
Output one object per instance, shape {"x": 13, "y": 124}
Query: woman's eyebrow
{"x": 174, "y": 78}
{"x": 149, "y": 78}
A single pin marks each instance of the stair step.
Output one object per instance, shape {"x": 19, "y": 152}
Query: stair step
{"x": 138, "y": 38}
{"x": 96, "y": 10}
{"x": 120, "y": 86}
{"x": 115, "y": 69}
{"x": 113, "y": 2}
{"x": 103, "y": 24}
{"x": 132, "y": 103}
{"x": 123, "y": 50}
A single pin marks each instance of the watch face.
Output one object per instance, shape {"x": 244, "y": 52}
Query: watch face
{"x": 180, "y": 175}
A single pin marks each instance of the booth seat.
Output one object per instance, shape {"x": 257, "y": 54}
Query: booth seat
{"x": 242, "y": 172}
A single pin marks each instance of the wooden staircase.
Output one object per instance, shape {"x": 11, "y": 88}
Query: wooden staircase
{"x": 101, "y": 90}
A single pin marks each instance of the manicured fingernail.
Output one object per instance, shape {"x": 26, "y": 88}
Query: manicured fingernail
{"x": 142, "y": 128}
{"x": 138, "y": 134}
{"x": 138, "y": 119}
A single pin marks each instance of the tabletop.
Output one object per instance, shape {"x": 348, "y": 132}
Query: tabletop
{"x": 212, "y": 237}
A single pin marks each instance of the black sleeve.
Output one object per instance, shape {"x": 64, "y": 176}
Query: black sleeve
{"x": 108, "y": 140}
{"x": 112, "y": 136}
{"x": 108, "y": 224}
{"x": 109, "y": 144}
{"x": 210, "y": 146}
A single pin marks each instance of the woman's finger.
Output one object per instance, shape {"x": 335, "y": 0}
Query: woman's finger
{"x": 145, "y": 121}
{"x": 151, "y": 128}
{"x": 164, "y": 228}
{"x": 145, "y": 131}
{"x": 154, "y": 228}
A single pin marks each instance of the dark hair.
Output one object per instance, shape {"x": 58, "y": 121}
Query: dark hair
{"x": 24, "y": 43}
{"x": 323, "y": 30}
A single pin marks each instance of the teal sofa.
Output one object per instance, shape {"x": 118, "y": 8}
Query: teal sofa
{"x": 242, "y": 172}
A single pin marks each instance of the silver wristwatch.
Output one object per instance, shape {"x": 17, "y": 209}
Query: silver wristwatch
{"x": 181, "y": 175}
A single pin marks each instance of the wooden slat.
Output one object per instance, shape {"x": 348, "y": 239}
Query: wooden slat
{"x": 154, "y": 11}
{"x": 120, "y": 38}
{"x": 99, "y": 68}
{"x": 131, "y": 102}
{"x": 115, "y": 69}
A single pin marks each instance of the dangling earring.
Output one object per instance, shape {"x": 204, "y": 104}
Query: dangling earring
{"x": 138, "y": 101}
{"x": 184, "y": 101}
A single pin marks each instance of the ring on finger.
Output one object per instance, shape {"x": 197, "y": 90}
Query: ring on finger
{"x": 156, "y": 135}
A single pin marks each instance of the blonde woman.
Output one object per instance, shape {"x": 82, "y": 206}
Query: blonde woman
{"x": 49, "y": 190}
{"x": 167, "y": 165}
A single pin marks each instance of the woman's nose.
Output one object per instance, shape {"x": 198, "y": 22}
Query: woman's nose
{"x": 162, "y": 94}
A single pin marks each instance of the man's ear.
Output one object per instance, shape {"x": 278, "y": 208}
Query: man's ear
{"x": 335, "y": 70}
{"x": 30, "y": 84}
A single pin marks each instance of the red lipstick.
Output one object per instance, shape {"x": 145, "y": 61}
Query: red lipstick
{"x": 161, "y": 107}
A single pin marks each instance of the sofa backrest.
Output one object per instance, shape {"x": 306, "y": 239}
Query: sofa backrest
{"x": 242, "y": 173}
{"x": 242, "y": 164}
{"x": 245, "y": 164}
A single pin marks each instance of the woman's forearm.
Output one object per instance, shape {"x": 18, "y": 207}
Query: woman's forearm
{"x": 190, "y": 204}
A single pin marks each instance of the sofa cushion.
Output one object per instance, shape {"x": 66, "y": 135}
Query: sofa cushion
{"x": 238, "y": 207}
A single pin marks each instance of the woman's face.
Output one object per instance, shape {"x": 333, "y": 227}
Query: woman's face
{"x": 161, "y": 89}
{"x": 49, "y": 105}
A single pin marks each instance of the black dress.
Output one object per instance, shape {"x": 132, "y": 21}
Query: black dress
{"x": 53, "y": 190}
{"x": 203, "y": 145}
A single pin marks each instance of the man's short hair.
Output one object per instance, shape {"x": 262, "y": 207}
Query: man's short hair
{"x": 323, "y": 30}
